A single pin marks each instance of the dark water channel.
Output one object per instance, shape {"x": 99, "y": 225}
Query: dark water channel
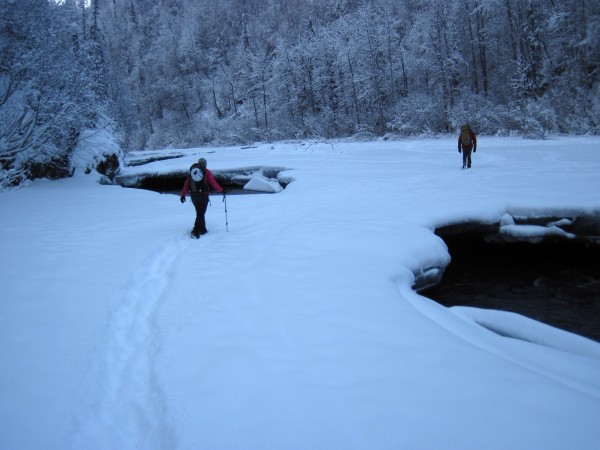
{"x": 173, "y": 184}
{"x": 556, "y": 282}
{"x": 233, "y": 181}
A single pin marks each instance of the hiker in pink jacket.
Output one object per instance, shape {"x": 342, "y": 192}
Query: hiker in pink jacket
{"x": 199, "y": 182}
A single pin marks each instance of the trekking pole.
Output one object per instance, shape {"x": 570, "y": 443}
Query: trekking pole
{"x": 226, "y": 221}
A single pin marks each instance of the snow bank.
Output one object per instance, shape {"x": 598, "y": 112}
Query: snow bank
{"x": 296, "y": 326}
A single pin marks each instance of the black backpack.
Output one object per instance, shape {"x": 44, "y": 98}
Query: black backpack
{"x": 198, "y": 179}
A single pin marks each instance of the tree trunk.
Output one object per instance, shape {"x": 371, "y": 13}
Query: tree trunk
{"x": 474, "y": 76}
{"x": 512, "y": 30}
{"x": 482, "y": 49}
{"x": 216, "y": 105}
{"x": 255, "y": 111}
{"x": 354, "y": 95}
{"x": 264, "y": 96}
{"x": 390, "y": 58}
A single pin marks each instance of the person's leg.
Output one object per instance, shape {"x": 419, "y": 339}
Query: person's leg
{"x": 201, "y": 204}
{"x": 197, "y": 201}
{"x": 202, "y": 223}
{"x": 467, "y": 153}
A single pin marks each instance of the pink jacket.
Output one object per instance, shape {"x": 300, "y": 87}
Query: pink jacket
{"x": 211, "y": 179}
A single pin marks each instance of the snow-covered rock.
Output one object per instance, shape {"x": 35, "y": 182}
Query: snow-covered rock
{"x": 262, "y": 184}
{"x": 506, "y": 219}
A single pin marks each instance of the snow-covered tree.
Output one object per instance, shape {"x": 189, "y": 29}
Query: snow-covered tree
{"x": 46, "y": 89}
{"x": 183, "y": 73}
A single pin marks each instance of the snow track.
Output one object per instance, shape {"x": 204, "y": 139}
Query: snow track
{"x": 130, "y": 412}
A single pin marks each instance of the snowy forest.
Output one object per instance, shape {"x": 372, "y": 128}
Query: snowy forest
{"x": 182, "y": 73}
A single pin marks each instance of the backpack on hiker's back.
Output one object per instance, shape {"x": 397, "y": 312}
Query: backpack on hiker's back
{"x": 465, "y": 135}
{"x": 198, "y": 182}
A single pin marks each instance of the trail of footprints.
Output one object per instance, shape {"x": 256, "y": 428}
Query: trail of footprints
{"x": 130, "y": 413}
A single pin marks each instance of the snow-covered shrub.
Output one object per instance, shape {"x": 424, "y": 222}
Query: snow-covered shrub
{"x": 97, "y": 150}
{"x": 54, "y": 168}
{"x": 594, "y": 115}
{"x": 543, "y": 117}
{"x": 11, "y": 178}
{"x": 109, "y": 166}
{"x": 484, "y": 116}
{"x": 364, "y": 133}
{"x": 417, "y": 115}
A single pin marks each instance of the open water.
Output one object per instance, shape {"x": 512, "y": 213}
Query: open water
{"x": 555, "y": 282}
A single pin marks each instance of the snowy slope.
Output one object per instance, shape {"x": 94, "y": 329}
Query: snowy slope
{"x": 297, "y": 328}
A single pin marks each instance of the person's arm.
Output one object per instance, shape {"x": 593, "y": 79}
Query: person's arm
{"x": 213, "y": 182}
{"x": 474, "y": 140}
{"x": 459, "y": 142}
{"x": 186, "y": 186}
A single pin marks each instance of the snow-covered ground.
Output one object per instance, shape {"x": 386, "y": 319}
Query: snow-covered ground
{"x": 297, "y": 328}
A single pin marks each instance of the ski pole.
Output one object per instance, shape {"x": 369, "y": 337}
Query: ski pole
{"x": 226, "y": 221}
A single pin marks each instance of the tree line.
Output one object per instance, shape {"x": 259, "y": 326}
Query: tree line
{"x": 160, "y": 73}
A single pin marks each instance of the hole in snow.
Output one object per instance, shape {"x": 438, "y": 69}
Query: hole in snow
{"x": 549, "y": 275}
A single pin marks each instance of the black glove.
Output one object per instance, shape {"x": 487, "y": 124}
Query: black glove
{"x": 459, "y": 150}
{"x": 182, "y": 199}
{"x": 475, "y": 149}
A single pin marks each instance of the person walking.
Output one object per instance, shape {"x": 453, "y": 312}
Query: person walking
{"x": 467, "y": 141}
{"x": 198, "y": 183}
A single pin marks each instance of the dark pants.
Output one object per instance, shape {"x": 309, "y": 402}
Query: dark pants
{"x": 466, "y": 152}
{"x": 200, "y": 202}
